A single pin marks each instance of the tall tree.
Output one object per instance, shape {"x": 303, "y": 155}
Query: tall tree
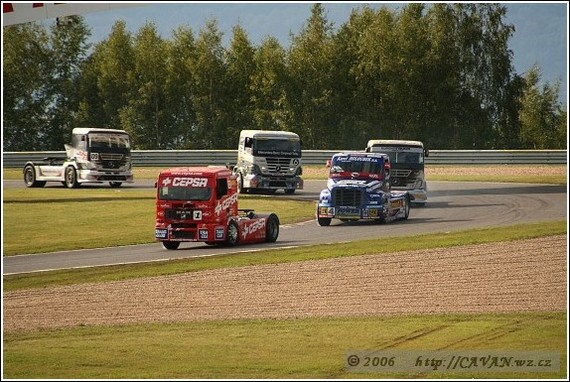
{"x": 208, "y": 71}
{"x": 486, "y": 69}
{"x": 69, "y": 48}
{"x": 373, "y": 71}
{"x": 180, "y": 88}
{"x": 310, "y": 92}
{"x": 115, "y": 62}
{"x": 26, "y": 63}
{"x": 542, "y": 118}
{"x": 268, "y": 97}
{"x": 240, "y": 68}
{"x": 145, "y": 116}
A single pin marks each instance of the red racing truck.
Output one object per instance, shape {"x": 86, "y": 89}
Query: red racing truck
{"x": 201, "y": 204}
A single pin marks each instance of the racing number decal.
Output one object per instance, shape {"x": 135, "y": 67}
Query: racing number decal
{"x": 197, "y": 215}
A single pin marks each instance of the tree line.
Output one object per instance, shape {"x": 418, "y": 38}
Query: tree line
{"x": 441, "y": 74}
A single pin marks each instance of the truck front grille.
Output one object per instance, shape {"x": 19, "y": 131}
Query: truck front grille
{"x": 178, "y": 214}
{"x": 347, "y": 197}
{"x": 278, "y": 165}
{"x": 398, "y": 173}
{"x": 111, "y": 157}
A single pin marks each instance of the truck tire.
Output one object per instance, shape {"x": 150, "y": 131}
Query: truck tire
{"x": 272, "y": 229}
{"x": 233, "y": 234}
{"x": 171, "y": 244}
{"x": 30, "y": 177}
{"x": 115, "y": 184}
{"x": 324, "y": 222}
{"x": 71, "y": 177}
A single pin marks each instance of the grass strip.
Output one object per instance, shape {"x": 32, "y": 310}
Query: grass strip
{"x": 313, "y": 348}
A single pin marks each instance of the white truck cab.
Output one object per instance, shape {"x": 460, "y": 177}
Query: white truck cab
{"x": 95, "y": 155}
{"x": 268, "y": 161}
{"x": 407, "y": 161}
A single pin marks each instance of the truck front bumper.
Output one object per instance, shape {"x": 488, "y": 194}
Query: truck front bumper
{"x": 418, "y": 196}
{"x": 350, "y": 213}
{"x": 272, "y": 182}
{"x": 195, "y": 232}
{"x": 91, "y": 176}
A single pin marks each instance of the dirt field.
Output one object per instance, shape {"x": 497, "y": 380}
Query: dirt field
{"x": 527, "y": 275}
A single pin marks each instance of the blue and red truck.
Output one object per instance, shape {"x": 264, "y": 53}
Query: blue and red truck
{"x": 358, "y": 188}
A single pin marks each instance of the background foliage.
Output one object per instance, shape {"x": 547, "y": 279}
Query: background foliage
{"x": 441, "y": 74}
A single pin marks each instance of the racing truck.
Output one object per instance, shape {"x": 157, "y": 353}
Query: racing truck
{"x": 95, "y": 155}
{"x": 200, "y": 204}
{"x": 358, "y": 187}
{"x": 407, "y": 162}
{"x": 268, "y": 161}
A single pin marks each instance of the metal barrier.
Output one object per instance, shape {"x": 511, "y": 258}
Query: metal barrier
{"x": 172, "y": 158}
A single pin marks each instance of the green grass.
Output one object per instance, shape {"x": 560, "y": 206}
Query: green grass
{"x": 312, "y": 252}
{"x": 284, "y": 349}
{"x": 54, "y": 219}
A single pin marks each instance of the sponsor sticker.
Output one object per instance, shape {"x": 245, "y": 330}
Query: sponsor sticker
{"x": 250, "y": 229}
{"x": 178, "y": 181}
{"x": 203, "y": 234}
{"x": 161, "y": 233}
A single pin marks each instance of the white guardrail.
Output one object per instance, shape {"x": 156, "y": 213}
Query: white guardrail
{"x": 172, "y": 158}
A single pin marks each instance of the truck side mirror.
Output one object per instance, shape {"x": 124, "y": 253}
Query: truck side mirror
{"x": 426, "y": 153}
{"x": 328, "y": 163}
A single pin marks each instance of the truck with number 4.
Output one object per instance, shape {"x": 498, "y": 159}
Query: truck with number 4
{"x": 358, "y": 187}
{"x": 95, "y": 155}
{"x": 200, "y": 204}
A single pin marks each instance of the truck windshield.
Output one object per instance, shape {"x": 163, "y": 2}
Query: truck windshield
{"x": 277, "y": 147}
{"x": 102, "y": 140}
{"x": 184, "y": 193}
{"x": 364, "y": 167}
{"x": 399, "y": 156}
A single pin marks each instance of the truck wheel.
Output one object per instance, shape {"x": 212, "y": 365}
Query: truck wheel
{"x": 324, "y": 222}
{"x": 272, "y": 229}
{"x": 30, "y": 178}
{"x": 71, "y": 177}
{"x": 115, "y": 184}
{"x": 171, "y": 244}
{"x": 233, "y": 234}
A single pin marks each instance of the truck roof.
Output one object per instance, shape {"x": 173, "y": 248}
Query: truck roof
{"x": 87, "y": 130}
{"x": 269, "y": 134}
{"x": 197, "y": 171}
{"x": 393, "y": 142}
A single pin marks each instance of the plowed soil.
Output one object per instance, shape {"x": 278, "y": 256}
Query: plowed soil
{"x": 525, "y": 275}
